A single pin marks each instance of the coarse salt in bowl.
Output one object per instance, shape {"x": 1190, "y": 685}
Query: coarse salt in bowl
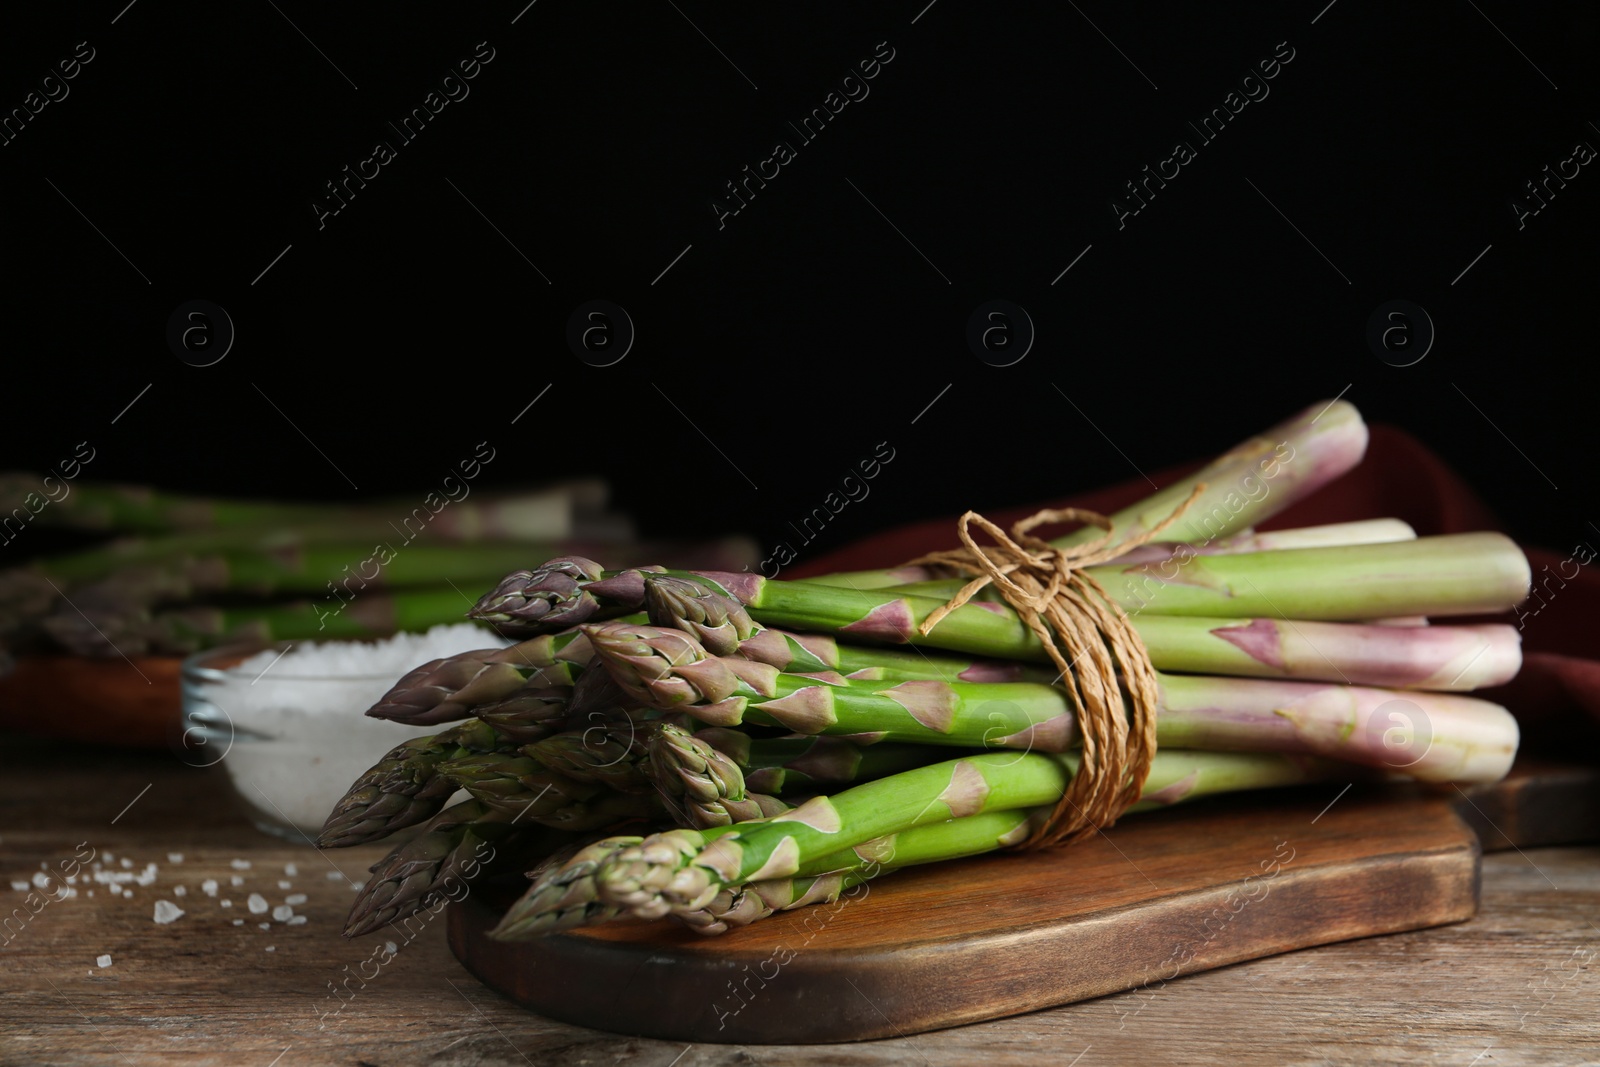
{"x": 287, "y": 721}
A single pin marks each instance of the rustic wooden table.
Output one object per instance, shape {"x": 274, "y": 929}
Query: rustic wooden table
{"x": 1515, "y": 985}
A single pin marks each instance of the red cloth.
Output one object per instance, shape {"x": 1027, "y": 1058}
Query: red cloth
{"x": 1557, "y": 694}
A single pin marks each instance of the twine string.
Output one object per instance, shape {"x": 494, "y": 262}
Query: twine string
{"x": 1105, "y": 668}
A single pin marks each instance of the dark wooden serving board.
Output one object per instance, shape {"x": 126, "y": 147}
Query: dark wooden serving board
{"x": 1153, "y": 898}
{"x": 1541, "y": 802}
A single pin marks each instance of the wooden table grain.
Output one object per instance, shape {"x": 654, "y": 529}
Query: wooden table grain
{"x": 1519, "y": 984}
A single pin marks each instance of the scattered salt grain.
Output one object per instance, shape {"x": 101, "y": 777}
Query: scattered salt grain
{"x": 166, "y": 911}
{"x": 265, "y": 926}
{"x": 209, "y": 887}
{"x": 272, "y": 948}
{"x": 390, "y": 947}
{"x": 295, "y": 898}
{"x": 238, "y": 922}
{"x": 41, "y": 880}
{"x": 285, "y": 885}
{"x": 174, "y": 857}
{"x": 102, "y": 961}
{"x": 126, "y": 863}
{"x": 72, "y": 879}
{"x": 91, "y": 892}
{"x": 107, "y": 857}
{"x": 290, "y": 869}
{"x": 43, "y": 866}
{"x": 357, "y": 886}
{"x": 240, "y": 865}
{"x": 333, "y": 876}
{"x": 19, "y": 886}
{"x": 225, "y": 903}
{"x": 116, "y": 889}
{"x": 257, "y": 903}
{"x": 179, "y": 891}
{"x": 297, "y": 920}
{"x": 282, "y": 912}
{"x": 235, "y": 880}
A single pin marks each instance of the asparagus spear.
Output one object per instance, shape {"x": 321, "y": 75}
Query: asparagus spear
{"x": 1245, "y": 486}
{"x": 1458, "y": 658}
{"x": 1331, "y": 535}
{"x": 687, "y": 604}
{"x": 563, "y": 894}
{"x": 521, "y": 788}
{"x": 608, "y": 754}
{"x": 1432, "y": 657}
{"x": 460, "y": 844}
{"x": 701, "y": 786}
{"x": 720, "y": 623}
{"x": 1457, "y": 574}
{"x": 138, "y": 509}
{"x": 823, "y": 880}
{"x": 185, "y": 630}
{"x": 292, "y": 564}
{"x": 617, "y": 754}
{"x": 403, "y": 788}
{"x": 929, "y": 580}
{"x": 442, "y": 690}
{"x": 786, "y": 764}
{"x": 682, "y": 871}
{"x": 1455, "y": 738}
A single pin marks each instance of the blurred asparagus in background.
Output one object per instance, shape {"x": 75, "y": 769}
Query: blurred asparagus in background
{"x": 174, "y": 573}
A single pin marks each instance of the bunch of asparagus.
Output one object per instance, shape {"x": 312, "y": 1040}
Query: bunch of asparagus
{"x": 717, "y": 746}
{"x": 181, "y": 573}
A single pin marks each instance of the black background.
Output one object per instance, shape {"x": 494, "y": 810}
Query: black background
{"x": 415, "y": 324}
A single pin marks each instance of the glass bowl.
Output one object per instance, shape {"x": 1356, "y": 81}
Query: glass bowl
{"x": 292, "y": 745}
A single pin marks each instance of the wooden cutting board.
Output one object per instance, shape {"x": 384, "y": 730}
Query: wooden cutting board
{"x": 1155, "y": 897}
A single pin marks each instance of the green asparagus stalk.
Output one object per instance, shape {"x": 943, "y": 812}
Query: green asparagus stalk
{"x": 1334, "y": 535}
{"x": 682, "y": 871}
{"x": 613, "y": 753}
{"x": 459, "y": 845}
{"x": 443, "y": 690}
{"x": 185, "y": 630}
{"x": 823, "y": 880}
{"x": 778, "y": 765}
{"x": 720, "y": 623}
{"x": 1454, "y": 738}
{"x": 469, "y": 682}
{"x": 1457, "y": 574}
{"x": 528, "y": 715}
{"x": 609, "y": 754}
{"x": 1245, "y": 486}
{"x": 1431, "y": 657}
{"x": 564, "y": 894}
{"x": 520, "y": 788}
{"x": 701, "y": 786}
{"x": 533, "y": 515}
{"x": 292, "y": 565}
{"x": 402, "y": 789}
{"x": 1331, "y": 535}
{"x": 1451, "y": 658}
{"x": 686, "y": 604}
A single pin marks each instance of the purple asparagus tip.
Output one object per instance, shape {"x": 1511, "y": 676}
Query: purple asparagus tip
{"x": 550, "y": 597}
